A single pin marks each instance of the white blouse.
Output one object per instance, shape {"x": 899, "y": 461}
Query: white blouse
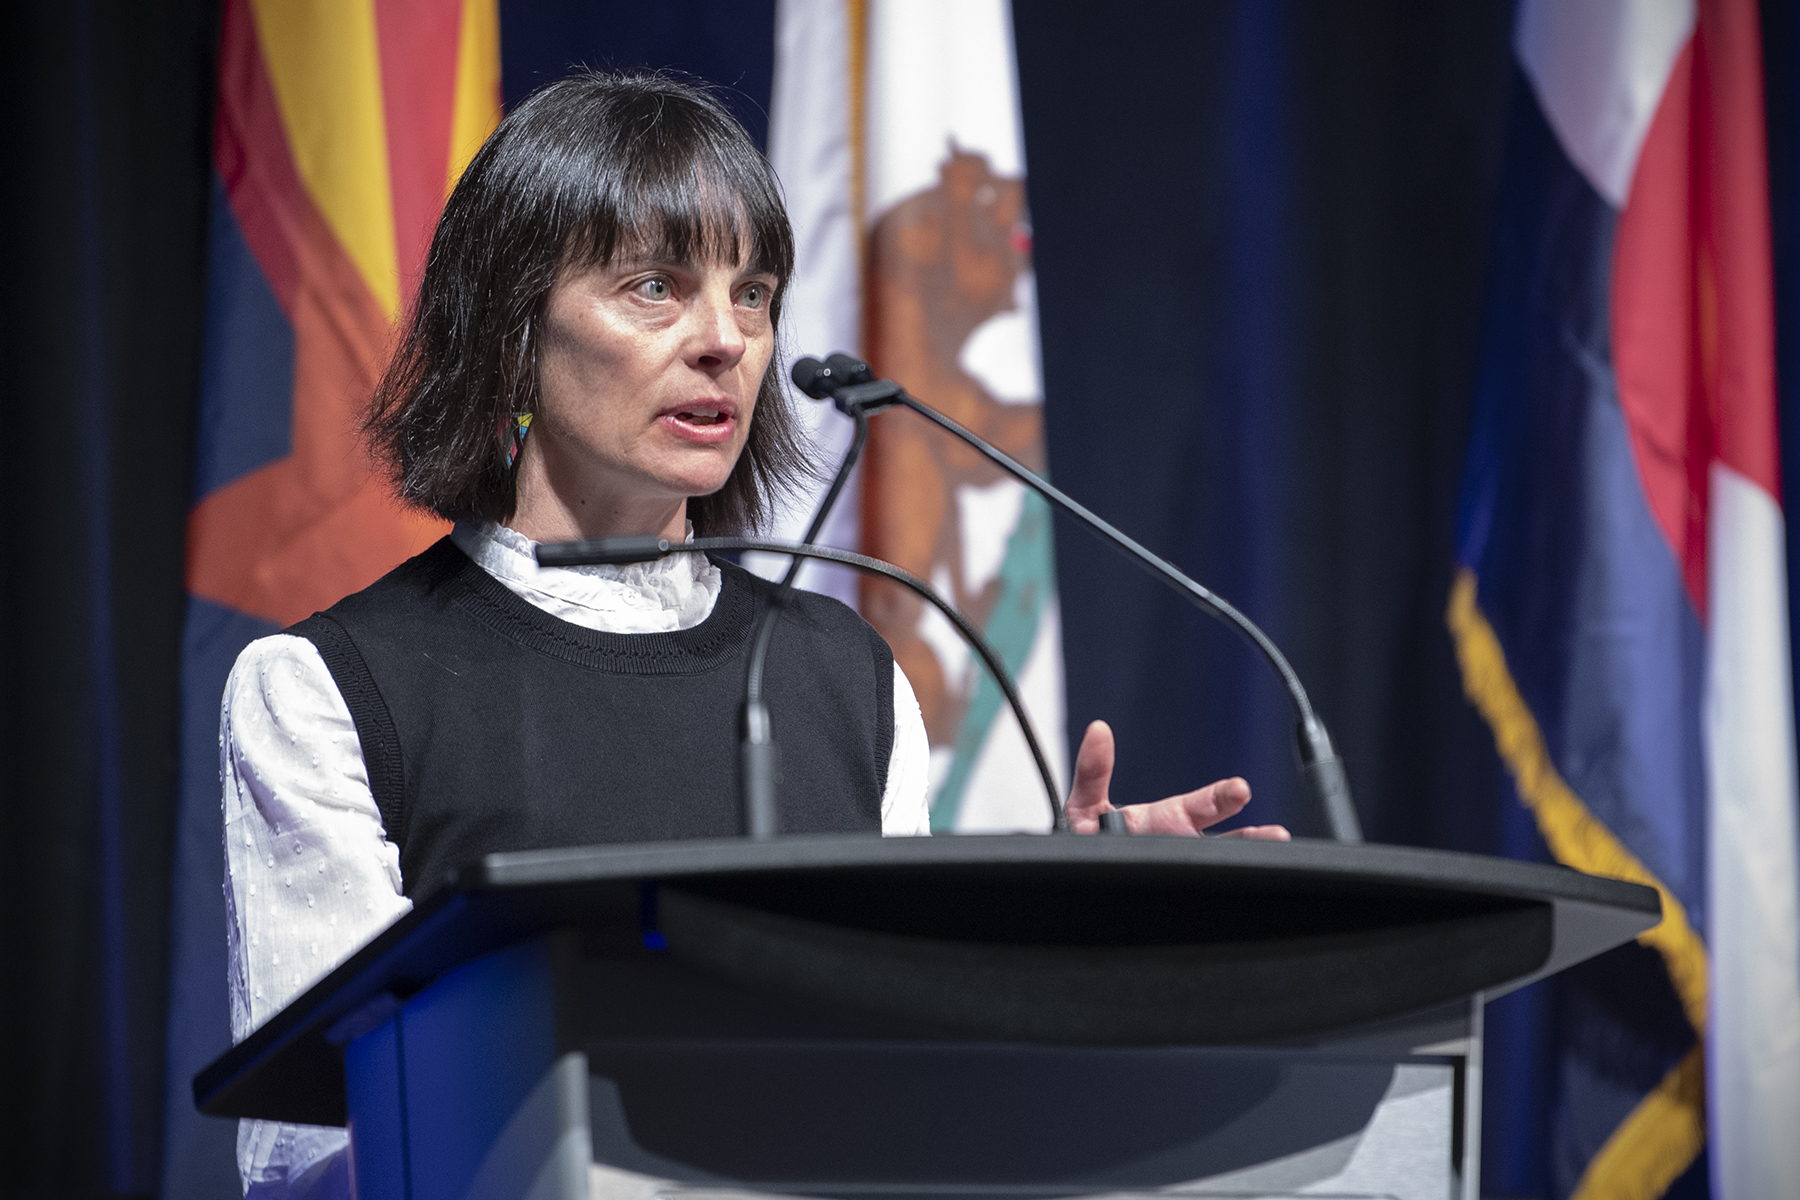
{"x": 309, "y": 872}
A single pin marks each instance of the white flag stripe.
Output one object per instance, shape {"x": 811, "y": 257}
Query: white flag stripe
{"x": 811, "y": 150}
{"x": 1004, "y": 794}
{"x": 942, "y": 76}
{"x": 1598, "y": 68}
{"x": 939, "y": 71}
{"x": 939, "y": 76}
{"x": 1753, "y": 898}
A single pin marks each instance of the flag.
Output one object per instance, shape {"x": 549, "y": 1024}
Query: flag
{"x": 1620, "y": 611}
{"x": 340, "y": 127}
{"x": 896, "y": 132}
{"x": 814, "y": 146}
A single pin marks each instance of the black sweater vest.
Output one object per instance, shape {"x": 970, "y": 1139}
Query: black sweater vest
{"x": 489, "y": 725}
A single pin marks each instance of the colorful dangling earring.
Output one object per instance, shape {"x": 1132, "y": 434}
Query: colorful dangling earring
{"x": 512, "y": 435}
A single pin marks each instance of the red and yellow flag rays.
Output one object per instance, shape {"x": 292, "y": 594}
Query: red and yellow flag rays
{"x": 341, "y": 125}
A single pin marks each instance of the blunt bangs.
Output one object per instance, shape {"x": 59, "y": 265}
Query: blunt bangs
{"x": 584, "y": 171}
{"x": 671, "y": 205}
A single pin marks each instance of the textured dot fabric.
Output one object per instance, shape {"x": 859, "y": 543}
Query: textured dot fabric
{"x": 309, "y": 873}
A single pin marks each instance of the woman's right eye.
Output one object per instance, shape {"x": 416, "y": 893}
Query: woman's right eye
{"x": 654, "y": 289}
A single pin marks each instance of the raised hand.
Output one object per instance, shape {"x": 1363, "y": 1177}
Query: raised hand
{"x": 1185, "y": 815}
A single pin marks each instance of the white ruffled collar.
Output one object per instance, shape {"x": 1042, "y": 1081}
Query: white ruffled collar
{"x": 677, "y": 592}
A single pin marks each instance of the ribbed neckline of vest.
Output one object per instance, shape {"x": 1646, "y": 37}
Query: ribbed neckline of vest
{"x": 679, "y": 652}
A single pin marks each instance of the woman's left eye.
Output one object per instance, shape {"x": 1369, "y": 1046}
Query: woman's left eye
{"x": 754, "y": 296}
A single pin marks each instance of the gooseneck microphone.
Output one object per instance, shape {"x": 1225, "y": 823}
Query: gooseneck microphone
{"x": 758, "y": 752}
{"x": 759, "y": 756}
{"x": 622, "y": 550}
{"x": 849, "y": 383}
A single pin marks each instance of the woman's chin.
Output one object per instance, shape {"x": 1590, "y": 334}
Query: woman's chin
{"x": 698, "y": 474}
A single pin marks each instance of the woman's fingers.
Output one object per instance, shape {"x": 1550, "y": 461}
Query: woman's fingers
{"x": 1261, "y": 833}
{"x": 1182, "y": 816}
{"x": 1093, "y": 779}
{"x": 1191, "y": 812}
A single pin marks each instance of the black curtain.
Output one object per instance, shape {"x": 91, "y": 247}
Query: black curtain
{"x": 1261, "y": 234}
{"x": 104, "y": 191}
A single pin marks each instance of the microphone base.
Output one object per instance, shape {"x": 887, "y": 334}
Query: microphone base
{"x": 760, "y": 764}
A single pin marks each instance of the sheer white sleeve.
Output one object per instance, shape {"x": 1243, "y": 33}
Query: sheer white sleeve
{"x": 905, "y": 807}
{"x": 309, "y": 873}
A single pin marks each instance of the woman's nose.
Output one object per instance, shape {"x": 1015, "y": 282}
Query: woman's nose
{"x": 718, "y": 341}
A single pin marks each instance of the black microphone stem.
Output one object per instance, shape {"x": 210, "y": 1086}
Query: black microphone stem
{"x": 857, "y": 441}
{"x": 1150, "y": 562}
{"x": 753, "y": 688}
{"x": 1320, "y": 766}
{"x": 848, "y": 381}
{"x": 759, "y": 758}
{"x": 644, "y": 549}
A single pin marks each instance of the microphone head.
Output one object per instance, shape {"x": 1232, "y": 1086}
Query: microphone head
{"x": 846, "y": 370}
{"x": 813, "y": 377}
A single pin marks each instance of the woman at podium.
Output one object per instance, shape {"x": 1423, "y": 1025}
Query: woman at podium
{"x": 588, "y": 357}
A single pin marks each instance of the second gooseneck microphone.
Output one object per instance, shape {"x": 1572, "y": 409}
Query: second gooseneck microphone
{"x": 621, "y": 550}
{"x": 759, "y": 756}
{"x": 849, "y": 383}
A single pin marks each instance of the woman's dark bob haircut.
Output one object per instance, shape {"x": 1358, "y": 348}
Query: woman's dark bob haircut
{"x": 585, "y": 169}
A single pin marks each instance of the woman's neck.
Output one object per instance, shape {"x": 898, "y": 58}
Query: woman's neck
{"x": 575, "y": 524}
{"x": 546, "y": 513}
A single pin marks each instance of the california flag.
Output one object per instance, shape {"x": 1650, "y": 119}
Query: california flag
{"x": 896, "y": 132}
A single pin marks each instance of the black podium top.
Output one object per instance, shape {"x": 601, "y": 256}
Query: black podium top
{"x": 1061, "y": 940}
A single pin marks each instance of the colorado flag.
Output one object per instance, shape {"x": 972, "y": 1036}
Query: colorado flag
{"x": 1620, "y": 614}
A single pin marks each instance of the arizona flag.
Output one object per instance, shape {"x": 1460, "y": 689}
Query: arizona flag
{"x": 340, "y": 127}
{"x": 1621, "y": 612}
{"x": 896, "y": 130}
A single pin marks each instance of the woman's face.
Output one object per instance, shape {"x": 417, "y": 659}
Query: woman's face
{"x": 648, "y": 372}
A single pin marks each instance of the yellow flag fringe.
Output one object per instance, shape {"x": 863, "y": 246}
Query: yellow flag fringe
{"x": 1665, "y": 1132}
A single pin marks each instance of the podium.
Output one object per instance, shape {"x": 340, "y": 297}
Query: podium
{"x": 927, "y": 1017}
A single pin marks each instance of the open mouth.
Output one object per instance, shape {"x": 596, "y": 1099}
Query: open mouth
{"x": 704, "y": 423}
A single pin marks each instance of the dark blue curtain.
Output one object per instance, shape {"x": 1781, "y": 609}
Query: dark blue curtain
{"x": 728, "y": 43}
{"x": 1261, "y": 235}
{"x": 1261, "y": 238}
{"x": 102, "y": 210}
